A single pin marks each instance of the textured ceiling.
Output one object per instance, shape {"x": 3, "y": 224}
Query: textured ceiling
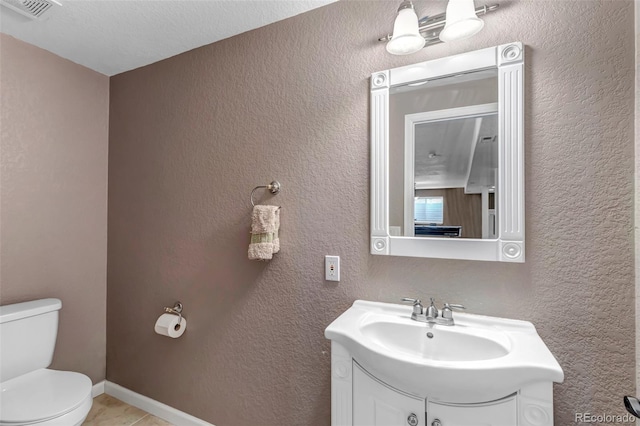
{"x": 111, "y": 36}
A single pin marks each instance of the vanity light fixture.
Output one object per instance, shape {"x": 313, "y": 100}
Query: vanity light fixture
{"x": 410, "y": 34}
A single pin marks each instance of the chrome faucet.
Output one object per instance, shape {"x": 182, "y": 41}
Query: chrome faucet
{"x": 431, "y": 314}
{"x": 432, "y": 311}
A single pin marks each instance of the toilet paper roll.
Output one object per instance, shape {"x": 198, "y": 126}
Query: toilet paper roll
{"x": 167, "y": 325}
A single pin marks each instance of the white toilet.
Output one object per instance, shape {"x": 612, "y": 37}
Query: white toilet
{"x": 30, "y": 393}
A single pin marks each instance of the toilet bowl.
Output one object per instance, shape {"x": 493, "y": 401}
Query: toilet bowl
{"x": 30, "y": 393}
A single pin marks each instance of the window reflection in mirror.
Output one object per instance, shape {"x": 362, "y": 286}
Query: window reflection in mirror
{"x": 443, "y": 157}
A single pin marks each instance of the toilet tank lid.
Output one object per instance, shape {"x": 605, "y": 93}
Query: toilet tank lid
{"x": 18, "y": 311}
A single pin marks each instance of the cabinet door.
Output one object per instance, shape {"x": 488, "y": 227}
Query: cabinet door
{"x": 497, "y": 413}
{"x": 376, "y": 404}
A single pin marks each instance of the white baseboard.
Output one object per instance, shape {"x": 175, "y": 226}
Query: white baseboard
{"x": 151, "y": 406}
{"x": 97, "y": 389}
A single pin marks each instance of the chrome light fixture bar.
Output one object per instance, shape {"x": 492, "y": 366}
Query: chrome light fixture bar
{"x": 430, "y": 26}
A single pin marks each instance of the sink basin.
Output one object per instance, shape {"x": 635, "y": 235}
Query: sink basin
{"x": 439, "y": 343}
{"x": 478, "y": 359}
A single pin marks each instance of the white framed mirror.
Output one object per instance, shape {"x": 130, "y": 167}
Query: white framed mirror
{"x": 447, "y": 157}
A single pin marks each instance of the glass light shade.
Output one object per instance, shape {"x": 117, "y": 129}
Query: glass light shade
{"x": 406, "y": 38}
{"x": 462, "y": 21}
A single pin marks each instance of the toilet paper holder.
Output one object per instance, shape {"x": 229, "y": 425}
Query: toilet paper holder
{"x": 176, "y": 310}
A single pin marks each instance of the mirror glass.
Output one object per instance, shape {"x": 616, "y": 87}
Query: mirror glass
{"x": 447, "y": 157}
{"x": 443, "y": 156}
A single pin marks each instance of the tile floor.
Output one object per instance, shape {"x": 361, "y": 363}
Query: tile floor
{"x": 109, "y": 411}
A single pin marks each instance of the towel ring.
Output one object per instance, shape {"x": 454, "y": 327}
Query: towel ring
{"x": 274, "y": 187}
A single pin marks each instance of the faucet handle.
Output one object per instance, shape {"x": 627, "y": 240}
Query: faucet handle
{"x": 417, "y": 305}
{"x": 447, "y": 311}
{"x": 454, "y": 306}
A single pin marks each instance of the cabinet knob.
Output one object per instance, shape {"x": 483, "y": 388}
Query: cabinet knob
{"x": 412, "y": 420}
{"x": 436, "y": 422}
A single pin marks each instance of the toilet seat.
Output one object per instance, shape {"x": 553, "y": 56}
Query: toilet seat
{"x": 43, "y": 396}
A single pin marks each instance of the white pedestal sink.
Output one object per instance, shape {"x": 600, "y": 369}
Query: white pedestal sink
{"x": 480, "y": 362}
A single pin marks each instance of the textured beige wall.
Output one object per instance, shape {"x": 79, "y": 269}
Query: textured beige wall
{"x": 53, "y": 207}
{"x": 637, "y": 191}
{"x": 192, "y": 135}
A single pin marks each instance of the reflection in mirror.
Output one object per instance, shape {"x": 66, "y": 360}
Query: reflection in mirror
{"x": 443, "y": 151}
{"x": 447, "y": 157}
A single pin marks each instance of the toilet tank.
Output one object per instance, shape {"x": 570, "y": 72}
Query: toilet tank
{"x": 27, "y": 336}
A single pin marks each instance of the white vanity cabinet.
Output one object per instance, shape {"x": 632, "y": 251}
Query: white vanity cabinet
{"x": 358, "y": 398}
{"x": 377, "y": 404}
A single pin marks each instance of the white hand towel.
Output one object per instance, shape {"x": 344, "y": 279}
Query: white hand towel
{"x": 276, "y": 238}
{"x": 265, "y": 222}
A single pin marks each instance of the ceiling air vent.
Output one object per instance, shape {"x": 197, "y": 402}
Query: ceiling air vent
{"x": 30, "y": 8}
